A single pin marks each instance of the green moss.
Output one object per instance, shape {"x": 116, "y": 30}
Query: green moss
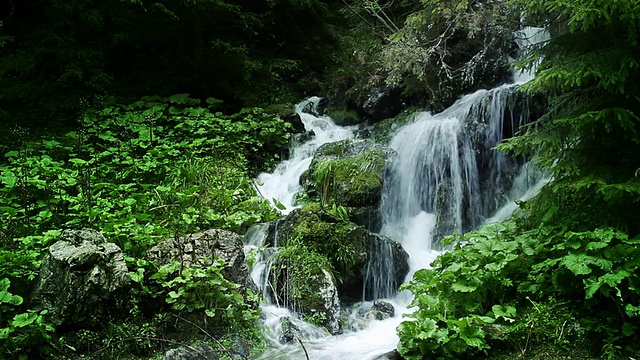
{"x": 297, "y": 274}
{"x": 336, "y": 148}
{"x": 351, "y": 181}
{"x": 343, "y": 117}
{"x": 384, "y": 130}
{"x": 326, "y": 235}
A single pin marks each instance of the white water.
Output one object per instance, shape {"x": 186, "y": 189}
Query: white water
{"x": 284, "y": 183}
{"x": 446, "y": 179}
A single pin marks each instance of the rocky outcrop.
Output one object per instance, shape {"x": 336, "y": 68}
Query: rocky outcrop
{"x": 352, "y": 250}
{"x": 383, "y": 103}
{"x": 302, "y": 281}
{"x": 202, "y": 248}
{"x": 350, "y": 173}
{"x": 84, "y": 280}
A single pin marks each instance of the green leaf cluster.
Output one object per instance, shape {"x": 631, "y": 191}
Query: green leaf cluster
{"x": 204, "y": 289}
{"x": 576, "y": 287}
{"x": 140, "y": 173}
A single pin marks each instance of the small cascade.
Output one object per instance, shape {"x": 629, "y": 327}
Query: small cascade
{"x": 447, "y": 178}
{"x": 284, "y": 183}
{"x": 379, "y": 281}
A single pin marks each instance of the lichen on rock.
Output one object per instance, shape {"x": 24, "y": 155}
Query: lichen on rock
{"x": 84, "y": 280}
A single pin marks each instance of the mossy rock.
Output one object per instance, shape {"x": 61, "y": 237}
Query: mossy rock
{"x": 349, "y": 173}
{"x": 302, "y": 280}
{"x": 347, "y": 247}
{"x": 343, "y": 117}
{"x": 383, "y": 131}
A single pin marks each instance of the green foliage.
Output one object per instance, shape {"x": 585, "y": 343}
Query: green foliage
{"x": 297, "y": 272}
{"x": 139, "y": 173}
{"x": 351, "y": 180}
{"x": 433, "y": 49}
{"x": 589, "y": 137}
{"x": 569, "y": 278}
{"x": 25, "y": 333}
{"x": 204, "y": 289}
{"x": 325, "y": 234}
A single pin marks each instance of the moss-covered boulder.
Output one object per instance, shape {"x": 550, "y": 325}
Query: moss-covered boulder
{"x": 349, "y": 173}
{"x": 302, "y": 280}
{"x": 349, "y": 249}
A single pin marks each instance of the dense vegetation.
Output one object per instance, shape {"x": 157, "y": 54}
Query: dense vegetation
{"x": 140, "y": 173}
{"x": 564, "y": 272}
{"x": 95, "y": 135}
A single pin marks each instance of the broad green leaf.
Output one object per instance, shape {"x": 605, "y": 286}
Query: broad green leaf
{"x": 24, "y": 319}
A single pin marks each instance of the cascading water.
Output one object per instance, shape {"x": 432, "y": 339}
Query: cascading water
{"x": 446, "y": 179}
{"x": 284, "y": 183}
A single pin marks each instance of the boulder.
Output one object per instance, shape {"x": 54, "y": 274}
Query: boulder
{"x": 383, "y": 310}
{"x": 83, "y": 281}
{"x": 302, "y": 281}
{"x": 350, "y": 173}
{"x": 383, "y": 103}
{"x": 202, "y": 248}
{"x": 352, "y": 250}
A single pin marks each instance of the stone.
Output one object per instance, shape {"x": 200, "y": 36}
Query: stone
{"x": 383, "y": 103}
{"x": 305, "y": 285}
{"x": 202, "y": 248}
{"x": 196, "y": 352}
{"x": 83, "y": 281}
{"x": 289, "y": 330}
{"x": 374, "y": 253}
{"x": 356, "y": 172}
{"x": 391, "y": 355}
{"x": 384, "y": 309}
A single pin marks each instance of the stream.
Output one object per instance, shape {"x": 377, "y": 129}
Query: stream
{"x": 446, "y": 178}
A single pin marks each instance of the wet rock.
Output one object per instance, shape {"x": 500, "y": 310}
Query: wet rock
{"x": 84, "y": 280}
{"x": 196, "y": 352}
{"x": 302, "y": 282}
{"x": 383, "y": 309}
{"x": 289, "y": 331}
{"x": 383, "y": 103}
{"x": 202, "y": 248}
{"x": 367, "y": 252}
{"x": 391, "y": 355}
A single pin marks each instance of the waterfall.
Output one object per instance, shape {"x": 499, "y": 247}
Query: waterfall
{"x": 446, "y": 178}
{"x": 284, "y": 183}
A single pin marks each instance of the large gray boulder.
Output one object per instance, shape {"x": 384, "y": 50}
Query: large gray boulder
{"x": 84, "y": 280}
{"x": 202, "y": 249}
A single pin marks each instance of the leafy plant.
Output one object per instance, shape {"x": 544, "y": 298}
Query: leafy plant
{"x": 196, "y": 288}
